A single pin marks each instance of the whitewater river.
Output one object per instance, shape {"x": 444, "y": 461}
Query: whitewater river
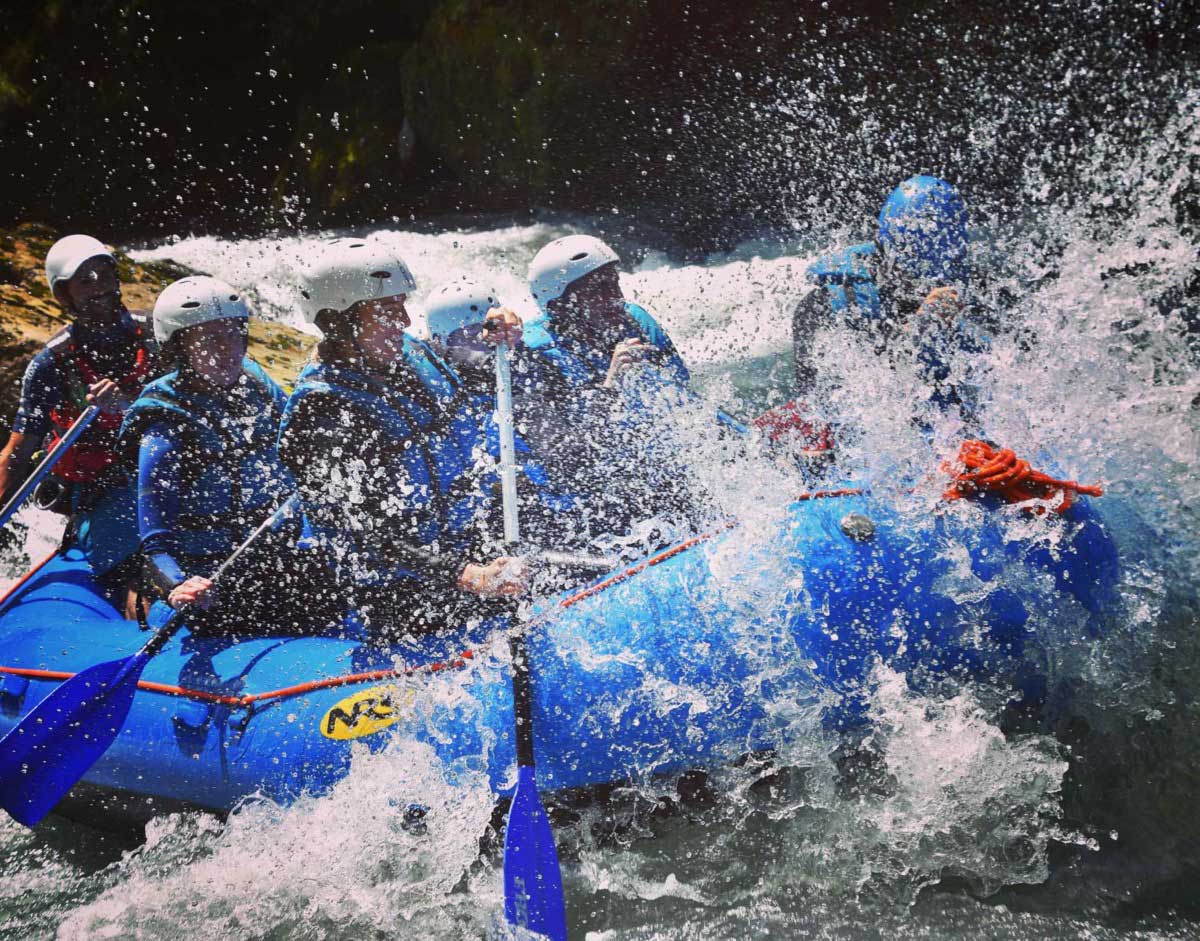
{"x": 1088, "y": 829}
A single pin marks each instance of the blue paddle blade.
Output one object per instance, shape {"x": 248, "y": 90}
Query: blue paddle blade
{"x": 47, "y": 752}
{"x": 533, "y": 895}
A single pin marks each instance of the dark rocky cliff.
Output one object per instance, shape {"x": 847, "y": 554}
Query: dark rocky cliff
{"x": 137, "y": 118}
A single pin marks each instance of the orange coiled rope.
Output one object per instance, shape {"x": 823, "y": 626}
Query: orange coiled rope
{"x": 981, "y": 468}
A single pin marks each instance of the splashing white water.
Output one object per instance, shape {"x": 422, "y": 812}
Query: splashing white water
{"x": 738, "y": 307}
{"x": 340, "y": 865}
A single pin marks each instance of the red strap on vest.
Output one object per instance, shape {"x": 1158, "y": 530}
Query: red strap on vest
{"x": 86, "y": 461}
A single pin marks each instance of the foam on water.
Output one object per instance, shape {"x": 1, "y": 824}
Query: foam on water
{"x": 345, "y": 865}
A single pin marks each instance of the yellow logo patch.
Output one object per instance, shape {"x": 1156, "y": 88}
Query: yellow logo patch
{"x": 367, "y": 712}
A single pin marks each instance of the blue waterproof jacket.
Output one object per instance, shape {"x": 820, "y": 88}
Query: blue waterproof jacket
{"x": 413, "y": 465}
{"x": 208, "y": 470}
{"x": 847, "y": 282}
{"x": 579, "y": 366}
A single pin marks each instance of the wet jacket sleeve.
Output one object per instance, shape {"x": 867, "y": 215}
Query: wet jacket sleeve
{"x": 160, "y": 493}
{"x": 343, "y": 476}
{"x": 667, "y": 357}
{"x": 41, "y": 391}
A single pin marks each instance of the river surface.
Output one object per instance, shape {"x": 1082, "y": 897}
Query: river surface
{"x": 1088, "y": 828}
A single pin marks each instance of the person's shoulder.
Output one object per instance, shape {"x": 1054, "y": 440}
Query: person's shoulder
{"x": 649, "y": 325}
{"x": 43, "y": 368}
{"x": 159, "y": 434}
{"x": 312, "y": 402}
{"x": 162, "y": 386}
{"x": 312, "y": 395}
{"x": 432, "y": 371}
{"x": 158, "y": 401}
{"x": 260, "y": 375}
{"x": 158, "y": 410}
{"x": 852, "y": 261}
{"x": 312, "y": 372}
{"x": 420, "y": 354}
{"x": 642, "y": 316}
{"x": 537, "y": 333}
{"x": 42, "y": 388}
{"x": 322, "y": 389}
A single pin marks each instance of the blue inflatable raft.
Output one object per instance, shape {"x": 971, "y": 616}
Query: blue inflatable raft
{"x": 724, "y": 645}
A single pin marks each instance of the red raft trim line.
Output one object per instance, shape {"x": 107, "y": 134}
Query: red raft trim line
{"x": 374, "y": 676}
{"x": 250, "y": 699}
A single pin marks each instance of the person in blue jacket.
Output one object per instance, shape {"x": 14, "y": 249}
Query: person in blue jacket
{"x": 601, "y": 367}
{"x": 203, "y": 439}
{"x": 456, "y": 315}
{"x": 589, "y": 333}
{"x": 387, "y": 453}
{"x": 908, "y": 289}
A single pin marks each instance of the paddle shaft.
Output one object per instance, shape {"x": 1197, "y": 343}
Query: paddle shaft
{"x": 522, "y": 699}
{"x": 46, "y": 464}
{"x": 508, "y": 449}
{"x": 176, "y": 620}
{"x": 522, "y": 692}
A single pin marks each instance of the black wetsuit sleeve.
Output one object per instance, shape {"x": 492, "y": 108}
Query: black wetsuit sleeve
{"x": 809, "y": 316}
{"x": 438, "y": 568}
{"x": 343, "y": 473}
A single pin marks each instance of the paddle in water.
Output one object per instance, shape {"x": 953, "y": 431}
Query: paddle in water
{"x": 47, "y": 752}
{"x": 78, "y": 427}
{"x": 533, "y": 894}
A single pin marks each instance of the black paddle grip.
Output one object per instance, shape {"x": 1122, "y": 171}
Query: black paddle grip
{"x": 522, "y": 699}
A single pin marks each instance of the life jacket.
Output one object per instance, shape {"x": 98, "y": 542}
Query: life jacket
{"x": 846, "y": 279}
{"x": 240, "y": 479}
{"x": 535, "y": 480}
{"x": 578, "y": 366}
{"x": 90, "y": 456}
{"x": 434, "y": 435}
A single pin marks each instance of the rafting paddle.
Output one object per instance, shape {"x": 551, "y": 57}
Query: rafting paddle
{"x": 78, "y": 427}
{"x": 574, "y": 560}
{"x": 533, "y": 894}
{"x": 508, "y": 446}
{"x": 47, "y": 752}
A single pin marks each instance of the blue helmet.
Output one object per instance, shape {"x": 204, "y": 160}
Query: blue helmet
{"x": 923, "y": 228}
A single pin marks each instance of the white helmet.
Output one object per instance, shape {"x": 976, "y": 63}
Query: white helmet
{"x": 67, "y": 254}
{"x": 457, "y": 304}
{"x": 196, "y": 300}
{"x": 563, "y": 262}
{"x": 346, "y": 271}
